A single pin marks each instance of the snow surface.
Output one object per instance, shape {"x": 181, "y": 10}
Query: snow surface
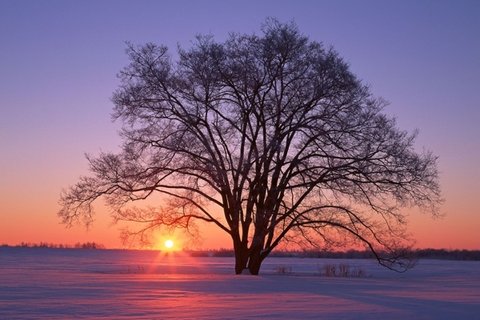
{"x": 112, "y": 284}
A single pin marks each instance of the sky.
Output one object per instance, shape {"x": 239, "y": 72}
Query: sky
{"x": 58, "y": 67}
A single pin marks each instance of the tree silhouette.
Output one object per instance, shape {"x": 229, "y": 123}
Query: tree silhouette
{"x": 274, "y": 132}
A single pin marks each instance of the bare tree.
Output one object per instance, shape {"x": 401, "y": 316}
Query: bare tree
{"x": 274, "y": 132}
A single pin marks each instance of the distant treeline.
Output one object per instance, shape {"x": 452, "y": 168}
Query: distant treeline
{"x": 448, "y": 254}
{"x": 443, "y": 254}
{"x": 78, "y": 245}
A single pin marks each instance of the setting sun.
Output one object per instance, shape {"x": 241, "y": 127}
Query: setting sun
{"x": 169, "y": 244}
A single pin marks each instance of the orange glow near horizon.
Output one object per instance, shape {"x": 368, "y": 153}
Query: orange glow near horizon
{"x": 35, "y": 221}
{"x": 447, "y": 232}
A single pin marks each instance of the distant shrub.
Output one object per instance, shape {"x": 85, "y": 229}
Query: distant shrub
{"x": 329, "y": 270}
{"x": 283, "y": 269}
{"x": 136, "y": 270}
{"x": 341, "y": 270}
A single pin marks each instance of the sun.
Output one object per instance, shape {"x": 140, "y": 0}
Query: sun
{"x": 169, "y": 244}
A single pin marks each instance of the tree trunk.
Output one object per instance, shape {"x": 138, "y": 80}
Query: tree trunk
{"x": 255, "y": 260}
{"x": 255, "y": 254}
{"x": 241, "y": 257}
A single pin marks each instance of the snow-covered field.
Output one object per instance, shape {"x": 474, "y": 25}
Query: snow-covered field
{"x": 104, "y": 284}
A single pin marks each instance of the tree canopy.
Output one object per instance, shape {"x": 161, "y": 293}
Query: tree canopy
{"x": 274, "y": 132}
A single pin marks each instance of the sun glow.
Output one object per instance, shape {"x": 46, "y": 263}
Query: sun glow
{"x": 169, "y": 244}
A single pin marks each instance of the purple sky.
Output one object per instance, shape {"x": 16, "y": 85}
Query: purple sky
{"x": 59, "y": 60}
